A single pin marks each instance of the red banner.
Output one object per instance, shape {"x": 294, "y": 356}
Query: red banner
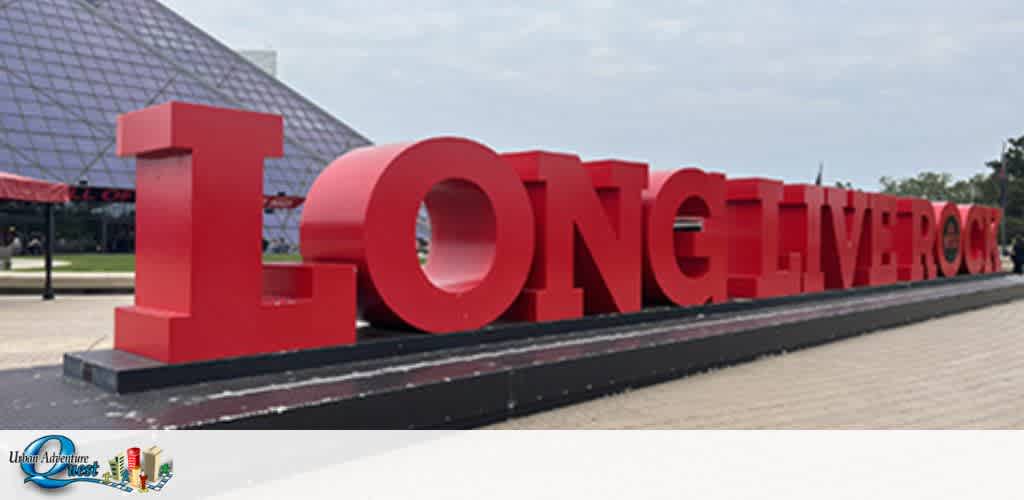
{"x": 102, "y": 194}
{"x": 124, "y": 195}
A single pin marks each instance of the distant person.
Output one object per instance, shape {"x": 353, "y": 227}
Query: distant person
{"x": 15, "y": 245}
{"x": 35, "y": 247}
{"x": 265, "y": 245}
{"x": 1018, "y": 255}
{"x": 6, "y": 248}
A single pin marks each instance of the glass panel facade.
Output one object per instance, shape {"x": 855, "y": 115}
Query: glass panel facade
{"x": 69, "y": 67}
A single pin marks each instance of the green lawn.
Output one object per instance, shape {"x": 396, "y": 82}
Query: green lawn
{"x": 287, "y": 257}
{"x": 114, "y": 262}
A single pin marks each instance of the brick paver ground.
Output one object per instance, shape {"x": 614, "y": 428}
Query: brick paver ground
{"x": 961, "y": 371}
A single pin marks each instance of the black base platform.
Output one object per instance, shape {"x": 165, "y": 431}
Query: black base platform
{"x": 392, "y": 380}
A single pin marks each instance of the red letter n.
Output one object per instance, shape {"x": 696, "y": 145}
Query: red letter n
{"x": 589, "y": 235}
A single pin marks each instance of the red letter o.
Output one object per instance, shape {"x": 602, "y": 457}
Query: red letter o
{"x": 363, "y": 207}
{"x": 948, "y": 248}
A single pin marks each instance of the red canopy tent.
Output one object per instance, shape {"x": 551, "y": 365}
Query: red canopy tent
{"x": 18, "y": 188}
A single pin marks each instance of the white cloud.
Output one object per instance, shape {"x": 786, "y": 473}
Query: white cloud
{"x": 750, "y": 87}
{"x": 670, "y": 29}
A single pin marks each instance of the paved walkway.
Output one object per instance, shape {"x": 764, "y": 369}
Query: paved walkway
{"x": 962, "y": 371}
{"x": 105, "y": 282}
{"x": 19, "y": 263}
{"x": 957, "y": 372}
{"x": 36, "y": 332}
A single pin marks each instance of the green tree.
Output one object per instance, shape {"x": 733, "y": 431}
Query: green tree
{"x": 983, "y": 188}
{"x": 941, "y": 186}
{"x": 1013, "y": 158}
{"x": 1014, "y": 161}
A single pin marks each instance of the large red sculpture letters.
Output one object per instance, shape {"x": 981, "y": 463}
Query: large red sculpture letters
{"x": 757, "y": 267}
{"x": 588, "y": 238}
{"x": 974, "y": 230}
{"x": 532, "y": 236}
{"x": 915, "y": 239}
{"x": 800, "y": 223}
{"x": 843, "y": 228}
{"x": 948, "y": 239}
{"x": 684, "y": 267}
{"x": 993, "y": 259}
{"x": 362, "y": 209}
{"x": 876, "y": 262}
{"x": 201, "y": 289}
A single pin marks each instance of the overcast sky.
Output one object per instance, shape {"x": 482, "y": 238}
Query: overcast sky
{"x": 764, "y": 88}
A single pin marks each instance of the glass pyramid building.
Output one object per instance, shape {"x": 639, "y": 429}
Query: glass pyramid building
{"x": 69, "y": 67}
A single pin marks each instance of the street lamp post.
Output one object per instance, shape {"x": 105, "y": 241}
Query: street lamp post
{"x": 50, "y": 234}
{"x": 1004, "y": 187}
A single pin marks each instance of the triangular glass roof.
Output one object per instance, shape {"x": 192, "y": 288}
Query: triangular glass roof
{"x": 69, "y": 67}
